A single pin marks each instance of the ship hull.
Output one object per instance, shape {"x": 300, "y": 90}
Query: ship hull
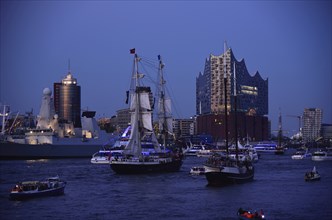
{"x": 30, "y": 195}
{"x": 47, "y": 151}
{"x": 141, "y": 168}
{"x": 224, "y": 178}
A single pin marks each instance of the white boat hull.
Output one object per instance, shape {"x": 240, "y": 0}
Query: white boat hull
{"x": 100, "y": 160}
{"x": 321, "y": 156}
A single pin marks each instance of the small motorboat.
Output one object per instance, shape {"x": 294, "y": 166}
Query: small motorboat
{"x": 101, "y": 157}
{"x": 204, "y": 153}
{"x": 197, "y": 171}
{"x": 52, "y": 186}
{"x": 246, "y": 214}
{"x": 301, "y": 155}
{"x": 193, "y": 150}
{"x": 321, "y": 155}
{"x": 312, "y": 175}
{"x": 104, "y": 156}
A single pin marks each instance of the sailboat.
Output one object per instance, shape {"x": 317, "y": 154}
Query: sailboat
{"x": 312, "y": 175}
{"x": 143, "y": 153}
{"x": 222, "y": 169}
{"x": 280, "y": 149}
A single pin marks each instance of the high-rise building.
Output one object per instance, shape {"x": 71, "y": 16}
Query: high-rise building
{"x": 252, "y": 91}
{"x": 123, "y": 118}
{"x": 312, "y": 120}
{"x": 67, "y": 100}
{"x": 56, "y": 96}
{"x": 252, "y": 99}
{"x": 326, "y": 132}
{"x": 183, "y": 127}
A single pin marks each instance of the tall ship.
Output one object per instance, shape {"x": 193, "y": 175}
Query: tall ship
{"x": 143, "y": 153}
{"x": 55, "y": 136}
{"x": 221, "y": 169}
{"x": 280, "y": 148}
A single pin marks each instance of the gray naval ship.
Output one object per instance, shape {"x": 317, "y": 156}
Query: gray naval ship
{"x": 53, "y": 139}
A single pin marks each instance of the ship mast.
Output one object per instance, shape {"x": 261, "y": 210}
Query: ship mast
{"x": 279, "y": 130}
{"x": 225, "y": 97}
{"x": 4, "y": 115}
{"x": 69, "y": 71}
{"x": 161, "y": 94}
{"x": 138, "y": 104}
{"x": 235, "y": 117}
{"x": 134, "y": 144}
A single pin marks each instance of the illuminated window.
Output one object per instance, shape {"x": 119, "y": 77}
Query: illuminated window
{"x": 250, "y": 90}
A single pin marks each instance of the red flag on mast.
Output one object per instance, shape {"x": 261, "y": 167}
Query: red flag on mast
{"x": 132, "y": 51}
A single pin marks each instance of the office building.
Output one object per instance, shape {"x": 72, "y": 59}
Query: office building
{"x": 311, "y": 121}
{"x": 67, "y": 100}
{"x": 252, "y": 91}
{"x": 252, "y": 99}
{"x": 123, "y": 118}
{"x": 183, "y": 127}
{"x": 326, "y": 132}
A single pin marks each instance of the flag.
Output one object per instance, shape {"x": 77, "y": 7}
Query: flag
{"x": 140, "y": 75}
{"x": 132, "y": 51}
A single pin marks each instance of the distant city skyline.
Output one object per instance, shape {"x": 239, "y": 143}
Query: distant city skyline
{"x": 288, "y": 42}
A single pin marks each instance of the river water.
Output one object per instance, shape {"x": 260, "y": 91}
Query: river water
{"x": 96, "y": 192}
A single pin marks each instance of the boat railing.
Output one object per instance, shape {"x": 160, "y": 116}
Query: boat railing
{"x": 144, "y": 159}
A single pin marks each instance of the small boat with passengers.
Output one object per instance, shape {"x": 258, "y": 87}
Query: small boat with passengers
{"x": 321, "y": 155}
{"x": 265, "y": 147}
{"x": 312, "y": 175}
{"x": 204, "y": 153}
{"x": 104, "y": 156}
{"x": 246, "y": 214}
{"x": 244, "y": 153}
{"x": 299, "y": 155}
{"x": 194, "y": 150}
{"x": 101, "y": 157}
{"x": 197, "y": 171}
{"x": 52, "y": 186}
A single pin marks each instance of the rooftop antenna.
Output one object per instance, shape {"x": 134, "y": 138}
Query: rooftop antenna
{"x": 69, "y": 71}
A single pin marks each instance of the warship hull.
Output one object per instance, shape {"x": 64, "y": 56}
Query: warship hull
{"x": 47, "y": 151}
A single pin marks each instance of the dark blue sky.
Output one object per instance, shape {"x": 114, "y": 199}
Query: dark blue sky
{"x": 288, "y": 42}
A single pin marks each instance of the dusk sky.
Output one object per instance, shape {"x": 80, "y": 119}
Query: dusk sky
{"x": 288, "y": 42}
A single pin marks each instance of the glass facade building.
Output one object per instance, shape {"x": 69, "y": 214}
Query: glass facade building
{"x": 67, "y": 100}
{"x": 252, "y": 100}
{"x": 252, "y": 91}
{"x": 312, "y": 120}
